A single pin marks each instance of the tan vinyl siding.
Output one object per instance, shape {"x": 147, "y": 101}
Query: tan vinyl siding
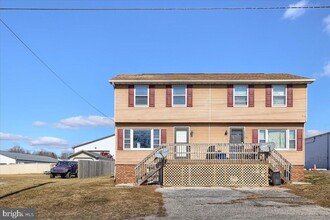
{"x": 205, "y": 133}
{"x": 210, "y": 104}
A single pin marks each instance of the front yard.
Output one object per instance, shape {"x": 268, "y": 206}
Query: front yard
{"x": 318, "y": 190}
{"x": 94, "y": 198}
{"x": 98, "y": 198}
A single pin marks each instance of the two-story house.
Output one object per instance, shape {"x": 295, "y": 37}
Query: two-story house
{"x": 157, "y": 109}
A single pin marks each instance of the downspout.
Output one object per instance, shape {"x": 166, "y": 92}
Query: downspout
{"x": 210, "y": 112}
{"x": 328, "y": 151}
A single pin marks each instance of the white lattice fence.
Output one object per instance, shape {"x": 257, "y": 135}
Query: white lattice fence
{"x": 213, "y": 174}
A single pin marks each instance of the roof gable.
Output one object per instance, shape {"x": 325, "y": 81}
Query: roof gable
{"x": 91, "y": 154}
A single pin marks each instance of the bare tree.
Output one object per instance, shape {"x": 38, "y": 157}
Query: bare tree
{"x": 46, "y": 153}
{"x": 65, "y": 155}
{"x": 17, "y": 149}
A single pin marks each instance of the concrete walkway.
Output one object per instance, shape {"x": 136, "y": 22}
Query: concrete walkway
{"x": 237, "y": 203}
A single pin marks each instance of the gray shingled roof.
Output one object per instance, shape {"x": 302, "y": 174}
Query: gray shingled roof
{"x": 28, "y": 157}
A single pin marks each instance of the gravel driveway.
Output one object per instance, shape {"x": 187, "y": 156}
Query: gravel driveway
{"x": 237, "y": 203}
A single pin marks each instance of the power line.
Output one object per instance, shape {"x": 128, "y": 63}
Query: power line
{"x": 169, "y": 9}
{"x": 53, "y": 72}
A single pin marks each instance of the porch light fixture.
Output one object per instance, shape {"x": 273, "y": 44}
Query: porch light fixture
{"x": 226, "y": 132}
{"x": 191, "y": 133}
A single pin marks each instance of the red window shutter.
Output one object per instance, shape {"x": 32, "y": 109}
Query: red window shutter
{"x": 163, "y": 136}
{"x": 289, "y": 95}
{"x": 299, "y": 139}
{"x": 151, "y": 95}
{"x": 268, "y": 95}
{"x": 168, "y": 95}
{"x": 130, "y": 95}
{"x": 251, "y": 95}
{"x": 254, "y": 136}
{"x": 230, "y": 94}
{"x": 189, "y": 96}
{"x": 120, "y": 139}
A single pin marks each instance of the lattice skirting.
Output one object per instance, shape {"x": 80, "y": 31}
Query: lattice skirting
{"x": 216, "y": 175}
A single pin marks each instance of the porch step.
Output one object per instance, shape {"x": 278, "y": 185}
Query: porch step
{"x": 147, "y": 176}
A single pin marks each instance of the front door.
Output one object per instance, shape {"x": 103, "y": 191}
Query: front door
{"x": 236, "y": 135}
{"x": 181, "y": 139}
{"x": 236, "y": 151}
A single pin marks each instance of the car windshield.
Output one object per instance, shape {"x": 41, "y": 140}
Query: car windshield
{"x": 63, "y": 163}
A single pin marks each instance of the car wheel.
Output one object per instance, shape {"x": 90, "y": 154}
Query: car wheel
{"x": 52, "y": 175}
{"x": 68, "y": 175}
{"x": 62, "y": 175}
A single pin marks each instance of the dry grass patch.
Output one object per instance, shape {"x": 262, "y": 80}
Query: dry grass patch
{"x": 94, "y": 198}
{"x": 318, "y": 190}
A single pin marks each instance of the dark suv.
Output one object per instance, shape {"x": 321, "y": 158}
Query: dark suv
{"x": 64, "y": 169}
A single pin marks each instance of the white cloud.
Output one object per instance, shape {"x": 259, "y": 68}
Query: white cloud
{"x": 39, "y": 123}
{"x": 326, "y": 21}
{"x": 52, "y": 142}
{"x": 48, "y": 141}
{"x": 293, "y": 13}
{"x": 85, "y": 121}
{"x": 11, "y": 137}
{"x": 325, "y": 72}
{"x": 326, "y": 69}
{"x": 310, "y": 133}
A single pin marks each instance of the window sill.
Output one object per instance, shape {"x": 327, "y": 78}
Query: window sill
{"x": 279, "y": 106}
{"x": 241, "y": 106}
{"x": 179, "y": 106}
{"x": 141, "y": 106}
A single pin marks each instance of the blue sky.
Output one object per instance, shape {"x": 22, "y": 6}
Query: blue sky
{"x": 87, "y": 48}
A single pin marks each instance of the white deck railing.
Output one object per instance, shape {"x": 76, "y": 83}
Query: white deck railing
{"x": 210, "y": 153}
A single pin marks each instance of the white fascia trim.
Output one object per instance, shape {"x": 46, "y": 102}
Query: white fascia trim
{"x": 113, "y": 82}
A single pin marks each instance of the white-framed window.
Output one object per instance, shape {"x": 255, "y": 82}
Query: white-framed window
{"x": 179, "y": 95}
{"x": 156, "y": 138}
{"x": 127, "y": 139}
{"x": 141, "y": 95}
{"x": 141, "y": 139}
{"x": 262, "y": 136}
{"x": 241, "y": 95}
{"x": 292, "y": 139}
{"x": 279, "y": 95}
{"x": 284, "y": 139}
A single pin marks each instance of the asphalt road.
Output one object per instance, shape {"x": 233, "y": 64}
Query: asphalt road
{"x": 238, "y": 203}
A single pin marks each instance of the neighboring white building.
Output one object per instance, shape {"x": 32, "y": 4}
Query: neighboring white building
{"x": 7, "y": 157}
{"x": 318, "y": 151}
{"x": 100, "y": 146}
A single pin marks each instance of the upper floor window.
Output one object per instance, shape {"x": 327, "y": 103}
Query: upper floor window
{"x": 179, "y": 95}
{"x": 241, "y": 95}
{"x": 141, "y": 95}
{"x": 279, "y": 95}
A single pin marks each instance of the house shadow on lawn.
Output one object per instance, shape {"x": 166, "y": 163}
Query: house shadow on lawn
{"x": 25, "y": 189}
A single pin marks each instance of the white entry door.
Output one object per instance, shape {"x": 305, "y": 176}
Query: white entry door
{"x": 181, "y": 141}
